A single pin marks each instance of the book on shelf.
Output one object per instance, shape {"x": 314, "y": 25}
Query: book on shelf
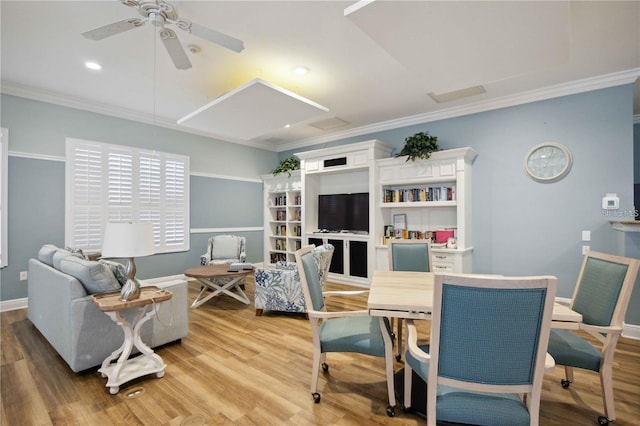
{"x": 278, "y": 257}
{"x": 426, "y": 193}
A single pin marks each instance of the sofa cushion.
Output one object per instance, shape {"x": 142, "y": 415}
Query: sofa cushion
{"x": 45, "y": 255}
{"x": 61, "y": 254}
{"x": 94, "y": 276}
{"x": 118, "y": 270}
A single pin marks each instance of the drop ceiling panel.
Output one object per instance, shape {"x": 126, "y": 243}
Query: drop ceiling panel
{"x": 480, "y": 42}
{"x": 252, "y": 110}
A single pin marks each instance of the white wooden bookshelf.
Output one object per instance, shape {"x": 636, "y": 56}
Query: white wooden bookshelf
{"x": 282, "y": 216}
{"x": 404, "y": 188}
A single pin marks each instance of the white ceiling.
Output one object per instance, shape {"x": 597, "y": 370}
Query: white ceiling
{"x": 373, "y": 66}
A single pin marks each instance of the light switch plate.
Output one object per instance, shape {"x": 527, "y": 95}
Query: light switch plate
{"x": 586, "y": 235}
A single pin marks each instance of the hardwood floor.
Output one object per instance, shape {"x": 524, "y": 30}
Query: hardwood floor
{"x": 236, "y": 368}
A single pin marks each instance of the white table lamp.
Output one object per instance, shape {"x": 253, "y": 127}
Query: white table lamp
{"x": 128, "y": 240}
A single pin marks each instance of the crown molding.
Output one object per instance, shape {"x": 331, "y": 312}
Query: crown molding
{"x": 37, "y": 94}
{"x": 555, "y": 91}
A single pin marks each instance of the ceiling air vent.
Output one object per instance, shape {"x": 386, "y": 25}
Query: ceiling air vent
{"x": 329, "y": 123}
{"x": 457, "y": 94}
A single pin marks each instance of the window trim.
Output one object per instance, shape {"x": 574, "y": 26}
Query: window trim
{"x": 4, "y": 191}
{"x": 104, "y": 149}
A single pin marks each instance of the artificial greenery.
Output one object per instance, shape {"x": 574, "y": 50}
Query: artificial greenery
{"x": 420, "y": 145}
{"x": 287, "y": 165}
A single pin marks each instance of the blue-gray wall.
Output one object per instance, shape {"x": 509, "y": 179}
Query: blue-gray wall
{"x": 522, "y": 227}
{"x": 519, "y": 226}
{"x": 226, "y": 190}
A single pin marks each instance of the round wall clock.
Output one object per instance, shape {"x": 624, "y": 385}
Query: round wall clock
{"x": 548, "y": 162}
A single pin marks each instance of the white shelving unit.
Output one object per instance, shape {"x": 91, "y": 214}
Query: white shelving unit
{"x": 337, "y": 170}
{"x": 432, "y": 194}
{"x": 282, "y": 217}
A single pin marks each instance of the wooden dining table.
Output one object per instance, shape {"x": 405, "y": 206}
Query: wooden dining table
{"x": 400, "y": 294}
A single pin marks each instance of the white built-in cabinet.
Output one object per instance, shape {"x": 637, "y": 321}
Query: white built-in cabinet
{"x": 429, "y": 195}
{"x": 282, "y": 216}
{"x": 436, "y": 194}
{"x": 337, "y": 170}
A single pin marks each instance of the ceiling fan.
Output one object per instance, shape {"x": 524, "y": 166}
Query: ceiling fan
{"x": 160, "y": 13}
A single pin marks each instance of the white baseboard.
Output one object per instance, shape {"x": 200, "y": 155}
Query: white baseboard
{"x": 13, "y": 304}
{"x": 631, "y": 331}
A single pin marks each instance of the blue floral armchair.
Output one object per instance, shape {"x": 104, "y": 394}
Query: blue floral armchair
{"x": 280, "y": 289}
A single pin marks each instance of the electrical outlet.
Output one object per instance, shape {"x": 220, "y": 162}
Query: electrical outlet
{"x": 23, "y": 275}
{"x": 585, "y": 249}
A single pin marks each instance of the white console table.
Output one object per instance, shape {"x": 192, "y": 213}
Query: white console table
{"x": 125, "y": 369}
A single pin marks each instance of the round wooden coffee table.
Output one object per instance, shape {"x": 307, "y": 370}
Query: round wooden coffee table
{"x": 209, "y": 276}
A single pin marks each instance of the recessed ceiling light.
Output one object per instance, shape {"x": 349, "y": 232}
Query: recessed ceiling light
{"x": 93, "y": 65}
{"x": 300, "y": 70}
{"x": 286, "y": 126}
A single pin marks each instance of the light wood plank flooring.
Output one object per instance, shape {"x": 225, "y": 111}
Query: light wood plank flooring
{"x": 236, "y": 368}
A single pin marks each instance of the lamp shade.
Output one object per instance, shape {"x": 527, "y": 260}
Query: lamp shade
{"x": 128, "y": 240}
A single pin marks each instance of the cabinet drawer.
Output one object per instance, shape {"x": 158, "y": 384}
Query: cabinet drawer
{"x": 443, "y": 267}
{"x": 445, "y": 262}
{"x": 444, "y": 257}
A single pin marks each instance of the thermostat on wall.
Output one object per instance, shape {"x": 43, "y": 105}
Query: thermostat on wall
{"x": 610, "y": 202}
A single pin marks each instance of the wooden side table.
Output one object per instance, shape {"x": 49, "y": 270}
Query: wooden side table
{"x": 125, "y": 369}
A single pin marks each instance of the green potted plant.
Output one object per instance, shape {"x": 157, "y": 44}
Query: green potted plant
{"x": 419, "y": 146}
{"x": 287, "y": 165}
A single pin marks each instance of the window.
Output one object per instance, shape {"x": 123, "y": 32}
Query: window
{"x": 113, "y": 183}
{"x": 4, "y": 173}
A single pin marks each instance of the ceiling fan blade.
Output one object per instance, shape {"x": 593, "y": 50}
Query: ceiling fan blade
{"x": 113, "y": 29}
{"x": 174, "y": 48}
{"x": 217, "y": 37}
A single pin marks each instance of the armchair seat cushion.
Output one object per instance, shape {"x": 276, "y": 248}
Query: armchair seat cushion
{"x": 461, "y": 406}
{"x": 570, "y": 349}
{"x": 353, "y": 334}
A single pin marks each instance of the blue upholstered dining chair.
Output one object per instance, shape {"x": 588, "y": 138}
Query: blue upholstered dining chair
{"x": 343, "y": 331}
{"x": 601, "y": 295}
{"x": 408, "y": 255}
{"x": 279, "y": 288}
{"x": 487, "y": 347}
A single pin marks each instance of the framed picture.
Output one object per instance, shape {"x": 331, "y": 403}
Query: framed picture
{"x": 399, "y": 221}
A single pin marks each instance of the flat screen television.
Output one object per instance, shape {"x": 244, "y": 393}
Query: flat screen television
{"x": 344, "y": 212}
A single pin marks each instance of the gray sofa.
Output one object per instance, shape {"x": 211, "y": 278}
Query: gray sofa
{"x": 61, "y": 308}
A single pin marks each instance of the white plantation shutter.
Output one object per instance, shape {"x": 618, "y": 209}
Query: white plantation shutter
{"x": 87, "y": 179}
{"x": 112, "y": 183}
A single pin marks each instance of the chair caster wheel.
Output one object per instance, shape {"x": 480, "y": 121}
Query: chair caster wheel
{"x": 391, "y": 411}
{"x": 325, "y": 367}
{"x": 316, "y": 397}
{"x": 565, "y": 383}
{"x": 602, "y": 420}
{"x": 398, "y": 358}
